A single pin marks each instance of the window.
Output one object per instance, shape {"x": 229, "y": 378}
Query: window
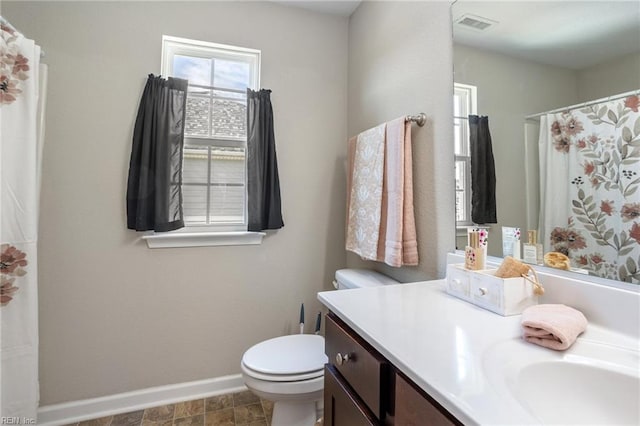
{"x": 464, "y": 103}
{"x": 214, "y": 172}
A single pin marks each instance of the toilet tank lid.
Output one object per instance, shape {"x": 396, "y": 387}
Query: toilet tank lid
{"x": 358, "y": 278}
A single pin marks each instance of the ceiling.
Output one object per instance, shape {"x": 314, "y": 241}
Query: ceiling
{"x": 566, "y": 33}
{"x": 570, "y": 34}
{"x": 339, "y": 7}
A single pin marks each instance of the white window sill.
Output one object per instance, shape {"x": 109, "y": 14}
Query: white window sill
{"x": 462, "y": 230}
{"x": 202, "y": 239}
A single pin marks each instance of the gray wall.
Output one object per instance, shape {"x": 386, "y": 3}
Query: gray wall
{"x": 400, "y": 63}
{"x": 116, "y": 316}
{"x": 610, "y": 78}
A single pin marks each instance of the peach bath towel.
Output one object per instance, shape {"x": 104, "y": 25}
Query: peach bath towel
{"x": 553, "y": 326}
{"x": 397, "y": 244}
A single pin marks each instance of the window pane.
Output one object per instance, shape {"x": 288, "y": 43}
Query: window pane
{"x": 229, "y": 118}
{"x": 461, "y": 214}
{"x": 195, "y": 164}
{"x": 456, "y": 105}
{"x": 457, "y": 137}
{"x": 461, "y": 100}
{"x": 196, "y": 70}
{"x": 460, "y": 176}
{"x": 461, "y": 136}
{"x": 461, "y": 185}
{"x": 227, "y": 165}
{"x": 227, "y": 203}
{"x": 194, "y": 203}
{"x": 214, "y": 157}
{"x": 231, "y": 74}
{"x": 198, "y": 108}
{"x": 233, "y": 95}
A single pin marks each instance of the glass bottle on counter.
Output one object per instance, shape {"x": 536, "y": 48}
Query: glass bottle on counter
{"x": 532, "y": 250}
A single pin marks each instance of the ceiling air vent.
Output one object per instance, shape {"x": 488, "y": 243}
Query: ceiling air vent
{"x": 474, "y": 22}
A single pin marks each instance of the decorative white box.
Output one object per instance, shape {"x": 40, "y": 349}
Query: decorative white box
{"x": 504, "y": 296}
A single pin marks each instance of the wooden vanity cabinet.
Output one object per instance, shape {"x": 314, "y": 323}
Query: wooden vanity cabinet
{"x": 342, "y": 406}
{"x": 413, "y": 407}
{"x": 363, "y": 388}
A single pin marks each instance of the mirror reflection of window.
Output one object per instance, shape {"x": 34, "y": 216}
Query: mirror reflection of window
{"x": 464, "y": 104}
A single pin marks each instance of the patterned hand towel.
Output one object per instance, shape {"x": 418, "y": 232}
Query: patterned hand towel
{"x": 553, "y": 326}
{"x": 366, "y": 172}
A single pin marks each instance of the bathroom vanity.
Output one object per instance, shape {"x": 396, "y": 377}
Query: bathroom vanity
{"x": 402, "y": 354}
{"x": 363, "y": 388}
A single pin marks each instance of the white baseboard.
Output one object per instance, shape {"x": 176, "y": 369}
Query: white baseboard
{"x": 87, "y": 409}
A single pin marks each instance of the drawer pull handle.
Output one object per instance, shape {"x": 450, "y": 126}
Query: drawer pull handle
{"x": 482, "y": 291}
{"x": 342, "y": 359}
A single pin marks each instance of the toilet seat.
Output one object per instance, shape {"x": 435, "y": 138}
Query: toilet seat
{"x": 281, "y": 377}
{"x": 286, "y": 358}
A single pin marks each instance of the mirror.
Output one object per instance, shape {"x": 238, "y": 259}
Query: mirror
{"x": 526, "y": 58}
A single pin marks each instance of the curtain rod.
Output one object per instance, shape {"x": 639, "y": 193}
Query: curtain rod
{"x": 5, "y": 23}
{"x": 584, "y": 104}
{"x": 419, "y": 119}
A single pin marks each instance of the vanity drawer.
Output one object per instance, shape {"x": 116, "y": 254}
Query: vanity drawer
{"x": 504, "y": 296}
{"x": 486, "y": 293}
{"x": 341, "y": 406}
{"x": 362, "y": 367}
{"x": 458, "y": 282}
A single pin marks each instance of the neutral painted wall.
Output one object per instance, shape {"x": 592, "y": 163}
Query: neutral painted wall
{"x": 400, "y": 63}
{"x": 508, "y": 90}
{"x": 116, "y": 316}
{"x": 620, "y": 75}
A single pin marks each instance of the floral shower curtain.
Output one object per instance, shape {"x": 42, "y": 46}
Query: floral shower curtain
{"x": 21, "y": 106}
{"x": 590, "y": 176}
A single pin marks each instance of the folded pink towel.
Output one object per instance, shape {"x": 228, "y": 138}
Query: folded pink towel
{"x": 553, "y": 326}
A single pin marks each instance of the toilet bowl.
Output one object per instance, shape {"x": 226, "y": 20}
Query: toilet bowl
{"x": 289, "y": 370}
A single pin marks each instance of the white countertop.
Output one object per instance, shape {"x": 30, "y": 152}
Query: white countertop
{"x": 445, "y": 345}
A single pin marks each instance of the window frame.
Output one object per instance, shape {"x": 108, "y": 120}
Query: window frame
{"x": 470, "y": 105}
{"x": 221, "y": 233}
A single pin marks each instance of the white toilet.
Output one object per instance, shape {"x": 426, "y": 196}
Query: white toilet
{"x": 289, "y": 370}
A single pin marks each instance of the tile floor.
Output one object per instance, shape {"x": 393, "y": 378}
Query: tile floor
{"x": 237, "y": 409}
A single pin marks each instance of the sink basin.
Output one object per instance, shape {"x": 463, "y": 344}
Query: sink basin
{"x": 591, "y": 383}
{"x": 578, "y": 394}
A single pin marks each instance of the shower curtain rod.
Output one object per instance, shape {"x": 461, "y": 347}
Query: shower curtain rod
{"x": 5, "y": 23}
{"x": 584, "y": 104}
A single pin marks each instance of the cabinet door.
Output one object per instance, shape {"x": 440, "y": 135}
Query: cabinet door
{"x": 341, "y": 406}
{"x": 412, "y": 408}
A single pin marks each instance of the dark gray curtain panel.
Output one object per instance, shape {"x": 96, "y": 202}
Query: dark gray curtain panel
{"x": 483, "y": 172}
{"x": 263, "y": 184}
{"x": 154, "y": 194}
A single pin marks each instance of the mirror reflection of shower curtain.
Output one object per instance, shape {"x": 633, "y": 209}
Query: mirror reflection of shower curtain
{"x": 532, "y": 173}
{"x": 21, "y": 137}
{"x": 589, "y": 189}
